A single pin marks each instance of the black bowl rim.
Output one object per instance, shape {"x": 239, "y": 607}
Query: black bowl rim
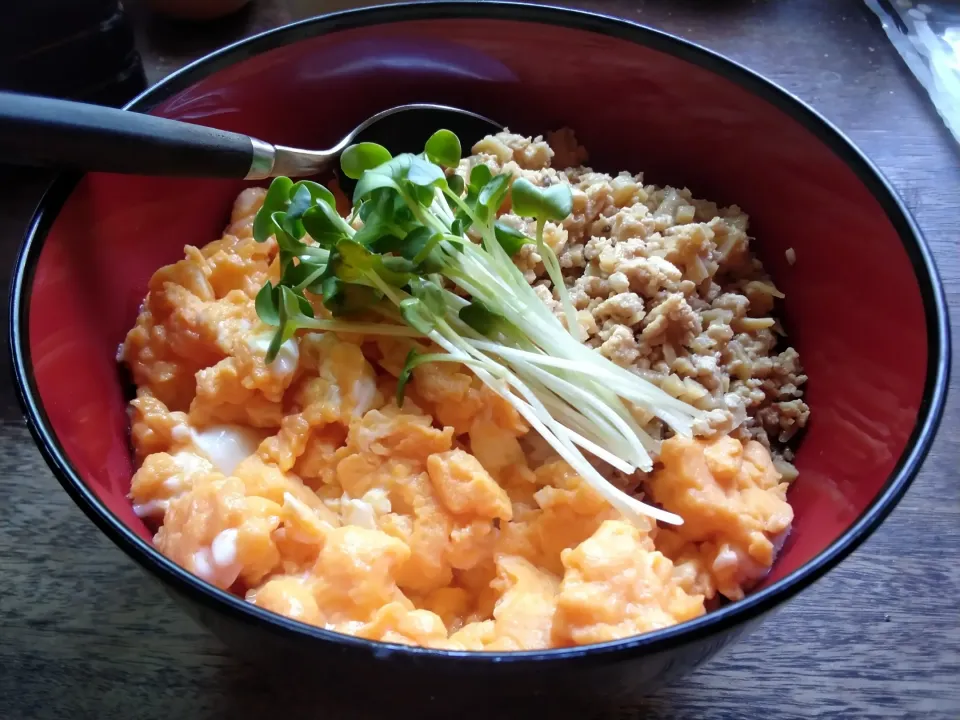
{"x": 724, "y": 619}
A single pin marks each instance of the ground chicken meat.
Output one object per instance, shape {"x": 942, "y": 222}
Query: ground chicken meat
{"x": 663, "y": 283}
{"x": 621, "y": 347}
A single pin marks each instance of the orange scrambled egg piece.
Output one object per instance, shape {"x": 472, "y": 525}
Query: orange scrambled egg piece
{"x": 734, "y": 507}
{"x": 616, "y": 585}
{"x": 303, "y": 486}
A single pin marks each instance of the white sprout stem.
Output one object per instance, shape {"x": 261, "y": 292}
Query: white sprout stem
{"x": 627, "y": 392}
{"x": 535, "y": 414}
{"x": 602, "y": 400}
{"x": 625, "y": 384}
{"x": 427, "y": 219}
{"x": 578, "y": 397}
{"x": 554, "y": 407}
{"x": 387, "y": 311}
{"x": 440, "y": 207}
{"x": 395, "y": 296}
{"x": 474, "y": 270}
{"x": 572, "y": 394}
{"x": 581, "y": 436}
{"x": 651, "y": 445}
{"x": 588, "y": 423}
{"x": 627, "y": 505}
{"x": 596, "y": 450}
{"x": 455, "y": 301}
{"x": 642, "y": 392}
{"x": 497, "y": 255}
{"x": 607, "y": 400}
{"x": 361, "y": 328}
{"x": 552, "y": 266}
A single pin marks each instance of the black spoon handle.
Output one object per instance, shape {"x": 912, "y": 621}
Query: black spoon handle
{"x": 46, "y": 132}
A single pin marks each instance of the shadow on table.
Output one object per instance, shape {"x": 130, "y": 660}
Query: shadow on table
{"x": 246, "y": 692}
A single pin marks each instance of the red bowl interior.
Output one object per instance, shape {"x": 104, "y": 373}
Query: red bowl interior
{"x": 854, "y": 308}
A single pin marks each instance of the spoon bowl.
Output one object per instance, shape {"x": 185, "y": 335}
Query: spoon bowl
{"x": 404, "y": 129}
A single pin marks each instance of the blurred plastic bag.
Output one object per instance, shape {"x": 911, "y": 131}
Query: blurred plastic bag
{"x": 927, "y": 36}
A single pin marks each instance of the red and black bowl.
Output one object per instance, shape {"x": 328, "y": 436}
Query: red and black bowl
{"x": 864, "y": 306}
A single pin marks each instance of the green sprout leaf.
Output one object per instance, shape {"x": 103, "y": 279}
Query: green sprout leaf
{"x": 510, "y": 239}
{"x": 276, "y": 200}
{"x": 424, "y": 173}
{"x": 284, "y": 240}
{"x": 525, "y": 197}
{"x": 318, "y": 192}
{"x": 480, "y": 318}
{"x": 372, "y": 181}
{"x": 304, "y": 275}
{"x": 398, "y": 265}
{"x": 558, "y": 202}
{"x": 491, "y": 196}
{"x": 409, "y": 364}
{"x": 455, "y": 183}
{"x": 480, "y": 175}
{"x": 388, "y": 175}
{"x": 417, "y": 247}
{"x": 423, "y": 194}
{"x": 296, "y": 306}
{"x": 276, "y": 341}
{"x": 356, "y": 255}
{"x": 359, "y": 158}
{"x": 301, "y": 202}
{"x": 443, "y": 148}
{"x": 552, "y": 203}
{"x": 324, "y": 224}
{"x": 415, "y": 241}
{"x": 387, "y": 243}
{"x": 363, "y": 209}
{"x": 425, "y": 256}
{"x": 417, "y": 315}
{"x": 293, "y": 310}
{"x": 357, "y": 263}
{"x": 371, "y": 231}
{"x": 430, "y": 294}
{"x": 385, "y": 203}
{"x": 461, "y": 223}
{"x": 342, "y": 298}
{"x": 398, "y": 167}
{"x": 492, "y": 193}
{"x": 267, "y": 304}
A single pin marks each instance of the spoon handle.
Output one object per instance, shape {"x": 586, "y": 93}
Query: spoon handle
{"x": 47, "y": 132}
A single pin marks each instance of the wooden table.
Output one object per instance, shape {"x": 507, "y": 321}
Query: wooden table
{"x": 85, "y": 634}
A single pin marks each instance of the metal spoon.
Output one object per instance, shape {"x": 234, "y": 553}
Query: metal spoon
{"x": 46, "y": 132}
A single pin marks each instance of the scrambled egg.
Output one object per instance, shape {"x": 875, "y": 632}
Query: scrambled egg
{"x": 302, "y": 486}
{"x": 735, "y": 510}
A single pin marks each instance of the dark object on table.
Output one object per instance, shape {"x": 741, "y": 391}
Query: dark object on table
{"x": 872, "y": 316}
{"x": 76, "y": 49}
{"x": 925, "y": 37}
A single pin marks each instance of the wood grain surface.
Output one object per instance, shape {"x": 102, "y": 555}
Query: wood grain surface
{"x": 85, "y": 634}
